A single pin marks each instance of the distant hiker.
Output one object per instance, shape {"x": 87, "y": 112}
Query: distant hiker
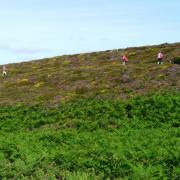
{"x": 124, "y": 59}
{"x": 4, "y": 71}
{"x": 160, "y": 57}
{"x": 114, "y": 54}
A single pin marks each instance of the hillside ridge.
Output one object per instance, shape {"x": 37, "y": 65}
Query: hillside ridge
{"x": 62, "y": 78}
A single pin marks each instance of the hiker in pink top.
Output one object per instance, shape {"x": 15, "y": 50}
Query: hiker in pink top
{"x": 124, "y": 59}
{"x": 160, "y": 57}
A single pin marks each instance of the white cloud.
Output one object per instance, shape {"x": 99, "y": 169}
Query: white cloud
{"x": 23, "y": 50}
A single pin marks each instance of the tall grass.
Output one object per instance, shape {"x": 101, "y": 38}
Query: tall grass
{"x": 92, "y": 139}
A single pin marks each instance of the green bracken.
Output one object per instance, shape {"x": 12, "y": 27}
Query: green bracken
{"x": 92, "y": 139}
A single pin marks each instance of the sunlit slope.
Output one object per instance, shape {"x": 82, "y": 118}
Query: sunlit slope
{"x": 63, "y": 78}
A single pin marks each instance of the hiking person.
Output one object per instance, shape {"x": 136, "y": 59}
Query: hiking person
{"x": 160, "y": 57}
{"x": 124, "y": 59}
{"x": 4, "y": 70}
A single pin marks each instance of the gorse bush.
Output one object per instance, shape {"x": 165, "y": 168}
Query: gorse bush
{"x": 92, "y": 139}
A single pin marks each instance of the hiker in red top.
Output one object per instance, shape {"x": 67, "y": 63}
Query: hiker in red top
{"x": 160, "y": 57}
{"x": 124, "y": 59}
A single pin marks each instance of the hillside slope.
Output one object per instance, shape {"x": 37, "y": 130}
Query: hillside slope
{"x": 63, "y": 78}
{"x": 87, "y": 117}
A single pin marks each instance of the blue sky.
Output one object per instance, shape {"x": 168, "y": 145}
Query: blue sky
{"x": 42, "y": 28}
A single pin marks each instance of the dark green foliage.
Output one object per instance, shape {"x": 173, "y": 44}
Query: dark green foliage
{"x": 176, "y": 60}
{"x": 92, "y": 139}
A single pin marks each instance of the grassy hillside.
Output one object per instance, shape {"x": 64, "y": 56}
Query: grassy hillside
{"x": 63, "y": 78}
{"x": 86, "y": 117}
{"x": 92, "y": 139}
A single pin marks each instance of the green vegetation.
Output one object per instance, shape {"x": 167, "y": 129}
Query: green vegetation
{"x": 86, "y": 116}
{"x": 176, "y": 60}
{"x": 92, "y": 139}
